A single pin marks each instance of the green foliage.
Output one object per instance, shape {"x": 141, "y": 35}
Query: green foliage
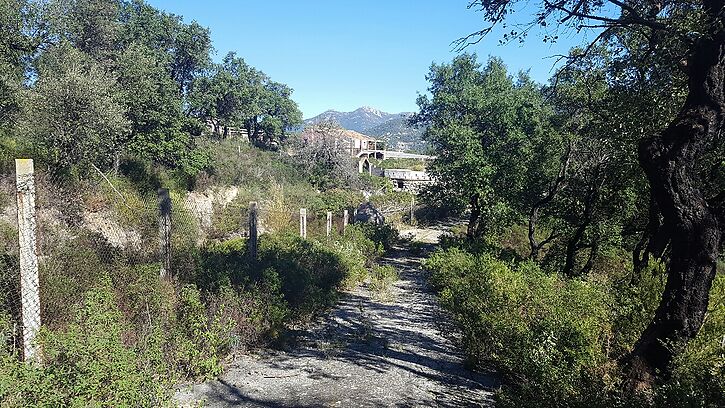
{"x": 87, "y": 364}
{"x": 556, "y": 340}
{"x": 235, "y": 94}
{"x": 310, "y": 274}
{"x": 381, "y": 278}
{"x": 384, "y": 235}
{"x": 293, "y": 278}
{"x": 201, "y": 340}
{"x": 489, "y": 130}
{"x": 74, "y": 115}
{"x": 542, "y": 331}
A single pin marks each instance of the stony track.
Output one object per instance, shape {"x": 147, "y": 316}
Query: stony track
{"x": 365, "y": 353}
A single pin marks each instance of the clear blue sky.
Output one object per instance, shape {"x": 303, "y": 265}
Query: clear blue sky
{"x": 345, "y": 54}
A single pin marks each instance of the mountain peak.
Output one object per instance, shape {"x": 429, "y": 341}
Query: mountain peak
{"x": 371, "y": 110}
{"x": 390, "y": 127}
{"x": 358, "y": 120}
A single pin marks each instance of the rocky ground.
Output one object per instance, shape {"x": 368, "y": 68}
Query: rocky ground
{"x": 365, "y": 353}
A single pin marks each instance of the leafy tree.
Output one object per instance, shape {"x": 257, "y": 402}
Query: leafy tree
{"x": 238, "y": 95}
{"x": 186, "y": 48}
{"x": 74, "y": 114}
{"x": 15, "y": 47}
{"x": 154, "y": 109}
{"x": 690, "y": 201}
{"x": 486, "y": 129}
{"x": 92, "y": 26}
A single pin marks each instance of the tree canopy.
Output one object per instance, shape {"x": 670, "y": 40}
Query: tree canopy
{"x": 104, "y": 79}
{"x": 662, "y": 67}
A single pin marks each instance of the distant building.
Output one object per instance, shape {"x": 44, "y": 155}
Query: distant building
{"x": 407, "y": 180}
{"x": 350, "y": 141}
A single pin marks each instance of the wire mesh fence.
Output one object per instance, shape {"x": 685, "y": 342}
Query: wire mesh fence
{"x": 58, "y": 241}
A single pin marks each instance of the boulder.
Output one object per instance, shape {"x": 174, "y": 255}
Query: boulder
{"x": 367, "y": 213}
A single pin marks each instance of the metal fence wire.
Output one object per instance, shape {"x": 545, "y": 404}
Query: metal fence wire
{"x": 58, "y": 239}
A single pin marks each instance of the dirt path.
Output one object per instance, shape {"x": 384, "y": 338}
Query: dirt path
{"x": 366, "y": 352}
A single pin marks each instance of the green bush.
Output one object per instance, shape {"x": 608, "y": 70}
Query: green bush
{"x": 385, "y": 235}
{"x": 557, "y": 340}
{"x": 381, "y": 278}
{"x": 201, "y": 340}
{"x": 293, "y": 278}
{"x": 544, "y": 333}
{"x": 310, "y": 273}
{"x": 86, "y": 364}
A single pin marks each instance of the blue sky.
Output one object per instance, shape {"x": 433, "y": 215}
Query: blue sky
{"x": 345, "y": 54}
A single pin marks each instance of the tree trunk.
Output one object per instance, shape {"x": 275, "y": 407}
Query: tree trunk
{"x": 558, "y": 183}
{"x": 572, "y": 247}
{"x": 474, "y": 220}
{"x": 696, "y": 226}
{"x": 655, "y": 239}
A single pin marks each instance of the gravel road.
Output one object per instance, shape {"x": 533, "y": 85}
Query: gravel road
{"x": 365, "y": 353}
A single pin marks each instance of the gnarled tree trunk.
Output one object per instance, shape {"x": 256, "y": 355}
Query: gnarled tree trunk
{"x": 474, "y": 219}
{"x": 695, "y": 224}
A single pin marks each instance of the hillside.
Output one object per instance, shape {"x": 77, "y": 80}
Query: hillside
{"x": 358, "y": 120}
{"x": 399, "y": 135}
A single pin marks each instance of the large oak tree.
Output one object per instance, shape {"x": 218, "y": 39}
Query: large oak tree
{"x": 689, "y": 198}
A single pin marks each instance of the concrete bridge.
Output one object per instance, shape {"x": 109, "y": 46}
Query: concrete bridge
{"x": 364, "y": 156}
{"x": 391, "y": 154}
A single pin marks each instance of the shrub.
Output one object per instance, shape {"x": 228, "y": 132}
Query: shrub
{"x": 381, "y": 277}
{"x": 544, "y": 333}
{"x": 557, "y": 340}
{"x": 201, "y": 340}
{"x": 86, "y": 364}
{"x": 293, "y": 278}
{"x": 385, "y": 235}
{"x": 309, "y": 272}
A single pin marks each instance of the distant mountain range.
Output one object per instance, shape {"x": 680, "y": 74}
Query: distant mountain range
{"x": 393, "y": 128}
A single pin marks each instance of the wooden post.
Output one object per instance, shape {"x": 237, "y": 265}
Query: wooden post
{"x": 29, "y": 282}
{"x": 252, "y": 243}
{"x": 345, "y": 219}
{"x": 303, "y": 222}
{"x": 329, "y": 223}
{"x": 164, "y": 232}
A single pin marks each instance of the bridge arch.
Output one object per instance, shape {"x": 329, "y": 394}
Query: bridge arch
{"x": 364, "y": 165}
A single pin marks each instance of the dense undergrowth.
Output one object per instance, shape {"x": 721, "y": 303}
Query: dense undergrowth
{"x": 114, "y": 333}
{"x": 557, "y": 341}
{"x": 122, "y": 336}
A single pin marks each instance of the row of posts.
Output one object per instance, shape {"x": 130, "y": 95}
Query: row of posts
{"x": 28, "y": 252}
{"x": 328, "y": 224}
{"x": 252, "y": 225}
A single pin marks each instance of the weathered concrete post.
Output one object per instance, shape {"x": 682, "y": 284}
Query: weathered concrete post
{"x": 165, "y": 232}
{"x": 29, "y": 283}
{"x": 328, "y": 230}
{"x": 252, "y": 243}
{"x": 303, "y": 222}
{"x": 345, "y": 219}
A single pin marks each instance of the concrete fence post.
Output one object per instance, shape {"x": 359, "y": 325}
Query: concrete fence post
{"x": 164, "y": 232}
{"x": 29, "y": 283}
{"x": 345, "y": 220}
{"x": 303, "y": 222}
{"x": 252, "y": 243}
{"x": 328, "y": 230}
